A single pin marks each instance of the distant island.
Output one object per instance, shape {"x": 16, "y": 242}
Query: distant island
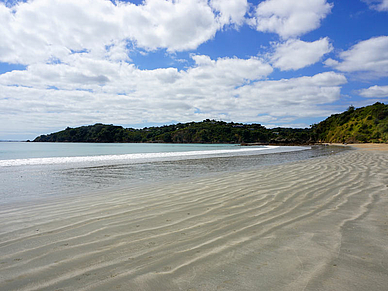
{"x": 366, "y": 124}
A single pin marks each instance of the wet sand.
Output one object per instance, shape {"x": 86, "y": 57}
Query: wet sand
{"x": 320, "y": 224}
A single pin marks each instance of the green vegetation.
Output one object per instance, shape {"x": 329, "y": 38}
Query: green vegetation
{"x": 367, "y": 124}
{"x": 207, "y": 131}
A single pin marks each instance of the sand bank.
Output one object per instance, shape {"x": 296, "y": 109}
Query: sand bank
{"x": 320, "y": 224}
{"x": 371, "y": 146}
{"x": 365, "y": 146}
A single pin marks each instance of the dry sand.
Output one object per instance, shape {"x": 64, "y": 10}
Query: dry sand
{"x": 365, "y": 146}
{"x": 371, "y": 146}
{"x": 320, "y": 224}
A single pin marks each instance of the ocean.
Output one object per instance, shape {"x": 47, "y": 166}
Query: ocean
{"x": 39, "y": 171}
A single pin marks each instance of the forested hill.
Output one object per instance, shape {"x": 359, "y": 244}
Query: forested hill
{"x": 207, "y": 131}
{"x": 366, "y": 124}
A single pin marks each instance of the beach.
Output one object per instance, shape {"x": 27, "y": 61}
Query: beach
{"x": 318, "y": 224}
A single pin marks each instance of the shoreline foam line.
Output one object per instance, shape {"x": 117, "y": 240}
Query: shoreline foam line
{"x": 138, "y": 156}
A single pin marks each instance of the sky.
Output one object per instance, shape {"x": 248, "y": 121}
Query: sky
{"x": 148, "y": 63}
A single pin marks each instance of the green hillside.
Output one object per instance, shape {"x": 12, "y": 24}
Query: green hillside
{"x": 365, "y": 124}
{"x": 207, "y": 131}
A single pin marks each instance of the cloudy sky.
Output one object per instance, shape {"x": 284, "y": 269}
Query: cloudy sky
{"x": 154, "y": 62}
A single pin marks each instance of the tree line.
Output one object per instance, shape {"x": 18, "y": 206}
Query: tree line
{"x": 366, "y": 124}
{"x": 207, "y": 131}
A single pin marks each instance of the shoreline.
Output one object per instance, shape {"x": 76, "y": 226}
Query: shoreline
{"x": 318, "y": 224}
{"x": 368, "y": 146}
{"x": 37, "y": 182}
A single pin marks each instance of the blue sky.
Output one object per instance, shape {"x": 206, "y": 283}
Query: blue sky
{"x": 143, "y": 63}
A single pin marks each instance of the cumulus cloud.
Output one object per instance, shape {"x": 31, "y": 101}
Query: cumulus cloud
{"x": 374, "y": 92}
{"x": 230, "y": 11}
{"x": 121, "y": 93}
{"x": 78, "y": 70}
{"x": 44, "y": 30}
{"x": 104, "y": 75}
{"x": 295, "y": 54}
{"x": 286, "y": 100}
{"x": 318, "y": 89}
{"x": 370, "y": 56}
{"x": 118, "y": 89}
{"x": 228, "y": 71}
{"x": 379, "y": 5}
{"x": 290, "y": 18}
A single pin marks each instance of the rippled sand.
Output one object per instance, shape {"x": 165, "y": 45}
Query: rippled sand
{"x": 320, "y": 224}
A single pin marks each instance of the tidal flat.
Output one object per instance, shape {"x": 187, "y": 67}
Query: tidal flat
{"x": 318, "y": 224}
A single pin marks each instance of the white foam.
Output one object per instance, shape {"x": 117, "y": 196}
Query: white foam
{"x": 137, "y": 156}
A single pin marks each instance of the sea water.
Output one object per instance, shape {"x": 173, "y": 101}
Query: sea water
{"x": 33, "y": 171}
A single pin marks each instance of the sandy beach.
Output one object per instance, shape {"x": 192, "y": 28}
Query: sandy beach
{"x": 320, "y": 224}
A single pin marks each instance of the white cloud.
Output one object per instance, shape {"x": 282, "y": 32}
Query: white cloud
{"x": 290, "y": 18}
{"x": 231, "y": 11}
{"x": 44, "y": 30}
{"x": 276, "y": 103}
{"x": 369, "y": 56}
{"x": 295, "y": 54}
{"x": 83, "y": 72}
{"x": 374, "y": 92}
{"x": 177, "y": 26}
{"x": 228, "y": 71}
{"x": 77, "y": 55}
{"x": 292, "y": 96}
{"x": 120, "y": 93}
{"x": 379, "y": 5}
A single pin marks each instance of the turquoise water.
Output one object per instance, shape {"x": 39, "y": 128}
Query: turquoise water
{"x": 36, "y": 171}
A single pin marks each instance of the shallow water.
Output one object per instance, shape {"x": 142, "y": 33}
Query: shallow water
{"x": 33, "y": 171}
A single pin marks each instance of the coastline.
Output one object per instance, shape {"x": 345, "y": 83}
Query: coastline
{"x": 370, "y": 146}
{"x": 318, "y": 224}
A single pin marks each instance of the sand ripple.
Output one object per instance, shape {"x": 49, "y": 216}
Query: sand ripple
{"x": 316, "y": 225}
